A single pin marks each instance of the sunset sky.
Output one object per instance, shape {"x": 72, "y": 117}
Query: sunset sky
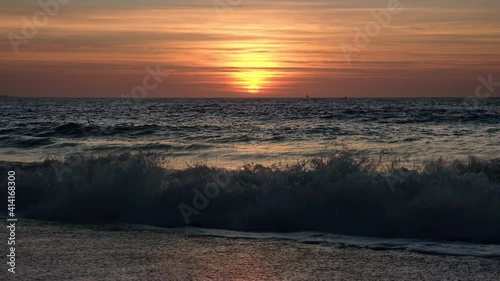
{"x": 256, "y": 48}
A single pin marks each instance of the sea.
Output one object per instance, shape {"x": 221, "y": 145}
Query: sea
{"x": 253, "y": 189}
{"x": 233, "y": 132}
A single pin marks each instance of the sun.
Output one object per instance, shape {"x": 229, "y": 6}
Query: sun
{"x": 253, "y": 89}
{"x": 252, "y": 80}
{"x": 253, "y": 69}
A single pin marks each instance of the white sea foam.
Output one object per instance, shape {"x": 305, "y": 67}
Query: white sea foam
{"x": 410, "y": 245}
{"x": 441, "y": 200}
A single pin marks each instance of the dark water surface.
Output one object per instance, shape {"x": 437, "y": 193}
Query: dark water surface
{"x": 232, "y": 132}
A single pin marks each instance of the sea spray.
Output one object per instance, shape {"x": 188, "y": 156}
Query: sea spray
{"x": 447, "y": 200}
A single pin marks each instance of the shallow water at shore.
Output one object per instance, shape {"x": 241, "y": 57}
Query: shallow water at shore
{"x": 54, "y": 251}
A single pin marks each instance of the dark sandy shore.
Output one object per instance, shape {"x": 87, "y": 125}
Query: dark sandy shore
{"x": 53, "y": 251}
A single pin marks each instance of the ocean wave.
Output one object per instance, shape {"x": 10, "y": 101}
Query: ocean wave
{"x": 442, "y": 200}
{"x": 73, "y": 130}
{"x": 25, "y": 142}
{"x": 78, "y": 130}
{"x": 157, "y": 146}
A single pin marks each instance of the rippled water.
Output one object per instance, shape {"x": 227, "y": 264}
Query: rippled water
{"x": 229, "y": 132}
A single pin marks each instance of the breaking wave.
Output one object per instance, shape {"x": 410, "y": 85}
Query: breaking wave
{"x": 441, "y": 200}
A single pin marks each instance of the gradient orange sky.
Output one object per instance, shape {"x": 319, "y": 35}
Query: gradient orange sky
{"x": 260, "y": 48}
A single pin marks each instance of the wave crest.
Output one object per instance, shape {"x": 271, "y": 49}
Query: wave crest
{"x": 447, "y": 200}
